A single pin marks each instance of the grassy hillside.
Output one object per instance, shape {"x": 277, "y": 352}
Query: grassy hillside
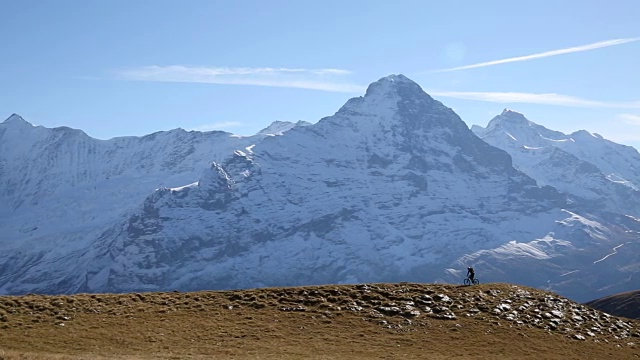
{"x": 625, "y": 304}
{"x": 368, "y": 321}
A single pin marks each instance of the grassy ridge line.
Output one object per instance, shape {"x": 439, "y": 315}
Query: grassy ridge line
{"x": 314, "y": 322}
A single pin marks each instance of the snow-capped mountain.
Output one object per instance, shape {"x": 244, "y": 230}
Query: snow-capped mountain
{"x": 594, "y": 171}
{"x": 60, "y": 189}
{"x": 393, "y": 187}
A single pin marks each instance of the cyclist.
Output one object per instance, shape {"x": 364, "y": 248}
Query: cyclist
{"x": 471, "y": 274}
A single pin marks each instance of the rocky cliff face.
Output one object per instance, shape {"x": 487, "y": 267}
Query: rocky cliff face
{"x": 393, "y": 187}
{"x": 61, "y": 189}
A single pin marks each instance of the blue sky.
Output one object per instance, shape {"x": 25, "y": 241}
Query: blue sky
{"x": 115, "y": 68}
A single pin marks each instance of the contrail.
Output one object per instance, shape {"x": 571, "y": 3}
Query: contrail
{"x": 596, "y": 45}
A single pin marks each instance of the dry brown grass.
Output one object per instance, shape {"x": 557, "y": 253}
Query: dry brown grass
{"x": 373, "y": 321}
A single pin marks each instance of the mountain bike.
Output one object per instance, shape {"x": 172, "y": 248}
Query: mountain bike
{"x": 467, "y": 281}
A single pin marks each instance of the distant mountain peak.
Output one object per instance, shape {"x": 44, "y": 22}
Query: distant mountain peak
{"x": 397, "y": 78}
{"x": 393, "y": 84}
{"x": 16, "y": 119}
{"x": 387, "y": 96}
{"x": 507, "y": 119}
{"x": 506, "y": 112}
{"x": 584, "y": 134}
{"x": 513, "y": 116}
{"x": 280, "y": 127}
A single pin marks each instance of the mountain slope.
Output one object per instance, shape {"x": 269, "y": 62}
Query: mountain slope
{"x": 625, "y": 304}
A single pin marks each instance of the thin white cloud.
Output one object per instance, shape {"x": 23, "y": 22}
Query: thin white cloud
{"x": 533, "y": 98}
{"x": 630, "y": 119}
{"x": 218, "y": 126}
{"x": 588, "y": 47}
{"x": 314, "y": 79}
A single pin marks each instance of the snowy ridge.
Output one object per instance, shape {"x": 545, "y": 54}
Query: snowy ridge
{"x": 590, "y": 169}
{"x": 280, "y": 127}
{"x": 61, "y": 189}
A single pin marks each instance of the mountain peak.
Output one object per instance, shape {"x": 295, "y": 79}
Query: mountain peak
{"x": 277, "y": 128}
{"x": 509, "y": 112}
{"x": 392, "y": 84}
{"x": 15, "y": 119}
{"x": 508, "y": 120}
{"x": 396, "y": 78}
{"x": 385, "y": 96}
{"x": 513, "y": 115}
{"x": 508, "y": 117}
{"x": 585, "y": 134}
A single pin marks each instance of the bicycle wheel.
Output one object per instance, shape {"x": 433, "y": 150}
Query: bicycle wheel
{"x": 467, "y": 282}
{"x": 476, "y": 282}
